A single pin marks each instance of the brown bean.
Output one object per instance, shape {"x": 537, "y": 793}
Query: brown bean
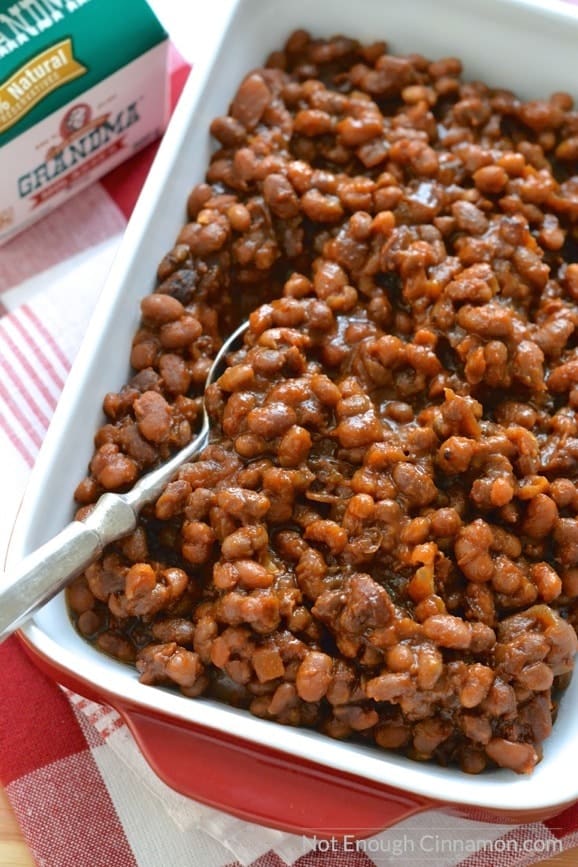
{"x": 159, "y": 308}
{"x": 314, "y": 676}
{"x": 112, "y": 469}
{"x": 490, "y": 180}
{"x": 541, "y": 516}
{"x": 79, "y": 596}
{"x": 239, "y": 217}
{"x": 198, "y": 540}
{"x": 356, "y": 131}
{"x": 294, "y": 446}
{"x": 153, "y": 416}
{"x": 175, "y": 373}
{"x": 414, "y": 482}
{"x": 328, "y": 533}
{"x": 272, "y": 420}
{"x": 313, "y": 122}
{"x": 388, "y": 687}
{"x": 180, "y": 333}
{"x": 245, "y": 542}
{"x": 280, "y": 196}
{"x": 250, "y": 101}
{"x": 519, "y": 757}
{"x": 478, "y": 682}
{"x": 321, "y": 208}
{"x": 448, "y": 631}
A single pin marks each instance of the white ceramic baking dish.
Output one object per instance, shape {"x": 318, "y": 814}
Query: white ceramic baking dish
{"x": 281, "y": 776}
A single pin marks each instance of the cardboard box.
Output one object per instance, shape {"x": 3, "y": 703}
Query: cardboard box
{"x": 83, "y": 85}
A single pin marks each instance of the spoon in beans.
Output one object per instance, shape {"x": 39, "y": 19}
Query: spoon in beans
{"x": 46, "y": 571}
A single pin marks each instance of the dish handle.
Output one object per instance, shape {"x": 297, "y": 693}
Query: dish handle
{"x": 265, "y": 786}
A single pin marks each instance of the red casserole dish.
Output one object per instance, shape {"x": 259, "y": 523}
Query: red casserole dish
{"x": 296, "y": 780}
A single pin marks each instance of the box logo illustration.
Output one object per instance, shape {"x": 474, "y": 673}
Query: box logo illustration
{"x": 86, "y": 142}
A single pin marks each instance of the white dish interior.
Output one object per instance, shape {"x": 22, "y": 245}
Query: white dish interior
{"x": 528, "y": 47}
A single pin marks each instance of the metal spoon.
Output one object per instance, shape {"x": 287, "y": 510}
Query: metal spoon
{"x": 44, "y": 572}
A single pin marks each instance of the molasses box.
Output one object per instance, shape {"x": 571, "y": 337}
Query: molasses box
{"x": 83, "y": 85}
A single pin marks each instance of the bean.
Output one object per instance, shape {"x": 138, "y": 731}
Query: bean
{"x": 448, "y": 631}
{"x": 159, "y": 308}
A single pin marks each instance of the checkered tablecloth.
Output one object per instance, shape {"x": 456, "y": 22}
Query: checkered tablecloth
{"x": 82, "y": 791}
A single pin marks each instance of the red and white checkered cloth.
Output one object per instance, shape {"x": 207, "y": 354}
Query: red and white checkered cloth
{"x": 82, "y": 792}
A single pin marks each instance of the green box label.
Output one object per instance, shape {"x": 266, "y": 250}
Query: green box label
{"x": 51, "y": 51}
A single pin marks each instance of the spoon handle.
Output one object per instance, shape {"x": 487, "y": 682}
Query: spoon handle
{"x": 44, "y": 572}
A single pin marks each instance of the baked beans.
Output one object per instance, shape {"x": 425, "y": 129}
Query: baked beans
{"x": 381, "y": 539}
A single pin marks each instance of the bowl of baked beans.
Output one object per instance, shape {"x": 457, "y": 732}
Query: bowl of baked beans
{"x": 371, "y": 571}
